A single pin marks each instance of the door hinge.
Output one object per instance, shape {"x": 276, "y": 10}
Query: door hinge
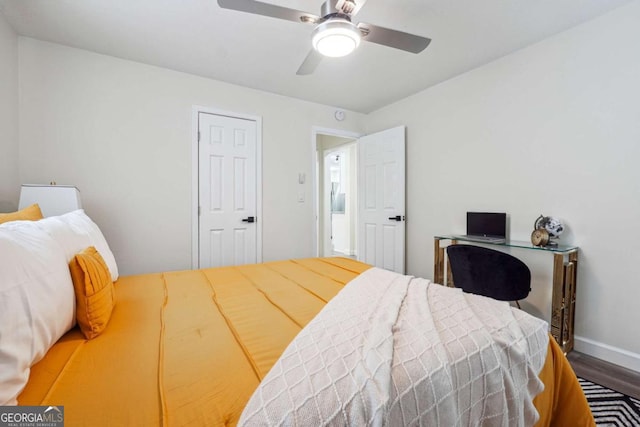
{"x": 198, "y": 210}
{"x": 198, "y": 136}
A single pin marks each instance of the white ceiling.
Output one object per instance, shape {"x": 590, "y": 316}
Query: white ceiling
{"x": 198, "y": 37}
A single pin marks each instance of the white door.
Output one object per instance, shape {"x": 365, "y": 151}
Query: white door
{"x": 227, "y": 185}
{"x": 381, "y": 204}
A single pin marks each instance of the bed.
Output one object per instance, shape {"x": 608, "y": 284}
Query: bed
{"x": 199, "y": 347}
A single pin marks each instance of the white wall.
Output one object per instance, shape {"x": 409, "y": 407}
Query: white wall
{"x": 9, "y": 187}
{"x": 121, "y": 132}
{"x": 558, "y": 126}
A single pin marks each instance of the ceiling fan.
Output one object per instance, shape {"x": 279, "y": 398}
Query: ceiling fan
{"x": 334, "y": 34}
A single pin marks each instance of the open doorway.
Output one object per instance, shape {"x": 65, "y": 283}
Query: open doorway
{"x": 341, "y": 184}
{"x": 379, "y": 215}
{"x": 336, "y": 195}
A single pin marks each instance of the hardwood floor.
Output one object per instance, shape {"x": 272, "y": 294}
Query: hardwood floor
{"x": 607, "y": 374}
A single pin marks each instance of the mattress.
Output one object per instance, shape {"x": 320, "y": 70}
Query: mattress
{"x": 191, "y": 347}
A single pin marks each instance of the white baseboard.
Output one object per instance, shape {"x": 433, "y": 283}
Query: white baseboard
{"x": 608, "y": 353}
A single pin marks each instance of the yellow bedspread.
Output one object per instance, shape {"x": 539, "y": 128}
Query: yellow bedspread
{"x": 185, "y": 348}
{"x": 190, "y": 347}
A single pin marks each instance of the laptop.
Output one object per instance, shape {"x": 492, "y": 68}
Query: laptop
{"x": 488, "y": 227}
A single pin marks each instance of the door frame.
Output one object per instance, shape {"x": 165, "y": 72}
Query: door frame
{"x": 315, "y": 131}
{"x": 195, "y": 223}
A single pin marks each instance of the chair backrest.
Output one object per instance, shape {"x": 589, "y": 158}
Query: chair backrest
{"x": 488, "y": 272}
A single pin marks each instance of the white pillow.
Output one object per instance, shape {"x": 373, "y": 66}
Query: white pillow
{"x": 75, "y": 232}
{"x": 37, "y": 302}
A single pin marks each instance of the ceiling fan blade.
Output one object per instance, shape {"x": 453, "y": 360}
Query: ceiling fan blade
{"x": 266, "y": 9}
{"x": 393, "y": 38}
{"x": 310, "y": 63}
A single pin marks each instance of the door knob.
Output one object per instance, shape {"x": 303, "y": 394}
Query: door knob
{"x": 249, "y": 219}
{"x": 396, "y": 218}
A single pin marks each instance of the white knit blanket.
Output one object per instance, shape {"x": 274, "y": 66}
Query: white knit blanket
{"x": 393, "y": 350}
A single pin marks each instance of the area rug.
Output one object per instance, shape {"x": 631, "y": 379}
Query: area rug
{"x": 609, "y": 407}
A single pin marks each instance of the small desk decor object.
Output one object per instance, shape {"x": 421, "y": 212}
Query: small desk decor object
{"x": 563, "y": 298}
{"x": 545, "y": 230}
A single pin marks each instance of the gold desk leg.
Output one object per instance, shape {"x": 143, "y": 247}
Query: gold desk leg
{"x": 450, "y": 282}
{"x": 570, "y": 274}
{"x": 557, "y": 307}
{"x": 438, "y": 262}
{"x": 563, "y": 299}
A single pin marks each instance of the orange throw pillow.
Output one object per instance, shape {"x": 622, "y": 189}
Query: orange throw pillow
{"x": 95, "y": 296}
{"x": 30, "y": 213}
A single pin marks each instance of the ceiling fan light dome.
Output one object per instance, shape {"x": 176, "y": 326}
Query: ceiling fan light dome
{"x": 335, "y": 37}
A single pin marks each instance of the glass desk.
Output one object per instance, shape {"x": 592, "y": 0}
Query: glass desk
{"x": 565, "y": 267}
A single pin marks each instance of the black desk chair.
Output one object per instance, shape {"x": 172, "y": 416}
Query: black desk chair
{"x": 488, "y": 272}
